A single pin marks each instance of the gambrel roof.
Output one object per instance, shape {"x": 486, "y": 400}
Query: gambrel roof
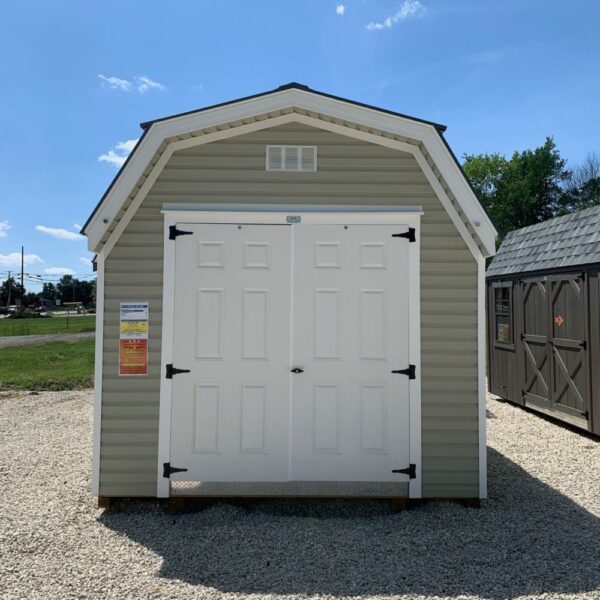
{"x": 291, "y": 103}
{"x": 557, "y": 243}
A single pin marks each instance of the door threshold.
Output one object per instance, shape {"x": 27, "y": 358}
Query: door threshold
{"x": 290, "y": 489}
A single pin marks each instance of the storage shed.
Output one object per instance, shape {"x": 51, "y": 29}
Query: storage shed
{"x": 290, "y": 303}
{"x": 543, "y": 299}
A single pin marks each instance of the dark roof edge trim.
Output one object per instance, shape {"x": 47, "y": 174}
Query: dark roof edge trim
{"x": 112, "y": 184}
{"x": 294, "y": 86}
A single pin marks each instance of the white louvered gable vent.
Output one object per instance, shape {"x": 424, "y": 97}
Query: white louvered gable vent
{"x": 291, "y": 158}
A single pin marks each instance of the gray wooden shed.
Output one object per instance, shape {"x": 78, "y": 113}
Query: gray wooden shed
{"x": 543, "y": 300}
{"x": 290, "y": 303}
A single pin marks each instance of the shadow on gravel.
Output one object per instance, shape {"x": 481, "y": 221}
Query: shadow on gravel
{"x": 527, "y": 539}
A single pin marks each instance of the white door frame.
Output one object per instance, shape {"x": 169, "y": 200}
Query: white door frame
{"x": 278, "y": 215}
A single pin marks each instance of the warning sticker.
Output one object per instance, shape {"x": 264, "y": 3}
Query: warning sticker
{"x": 558, "y": 320}
{"x": 133, "y": 338}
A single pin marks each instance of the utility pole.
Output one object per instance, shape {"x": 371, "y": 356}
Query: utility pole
{"x": 9, "y": 289}
{"x": 22, "y": 264}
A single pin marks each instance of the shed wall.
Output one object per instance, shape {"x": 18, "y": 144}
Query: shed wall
{"x": 349, "y": 172}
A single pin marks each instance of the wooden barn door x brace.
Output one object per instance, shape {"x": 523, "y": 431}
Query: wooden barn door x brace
{"x": 293, "y": 352}
{"x": 554, "y": 343}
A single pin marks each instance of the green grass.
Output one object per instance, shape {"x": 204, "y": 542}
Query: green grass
{"x": 50, "y": 366}
{"x": 43, "y": 325}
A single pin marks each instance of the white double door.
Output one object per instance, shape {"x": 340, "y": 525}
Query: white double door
{"x": 253, "y": 303}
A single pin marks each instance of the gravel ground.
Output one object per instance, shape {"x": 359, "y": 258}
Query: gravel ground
{"x": 538, "y": 536}
{"x": 29, "y": 340}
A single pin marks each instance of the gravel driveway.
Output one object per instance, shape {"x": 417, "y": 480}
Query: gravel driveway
{"x": 9, "y": 341}
{"x": 538, "y": 536}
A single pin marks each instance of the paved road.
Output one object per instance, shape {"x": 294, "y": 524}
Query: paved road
{"x": 29, "y": 340}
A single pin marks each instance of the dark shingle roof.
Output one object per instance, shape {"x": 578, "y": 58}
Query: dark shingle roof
{"x": 561, "y": 242}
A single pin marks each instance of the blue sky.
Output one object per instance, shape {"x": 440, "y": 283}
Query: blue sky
{"x": 502, "y": 74}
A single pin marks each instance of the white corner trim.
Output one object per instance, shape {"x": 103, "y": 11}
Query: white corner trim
{"x": 282, "y": 101}
{"x": 481, "y": 320}
{"x": 414, "y": 350}
{"x": 163, "y": 487}
{"x": 98, "y": 366}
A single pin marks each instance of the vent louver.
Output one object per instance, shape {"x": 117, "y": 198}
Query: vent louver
{"x": 291, "y": 158}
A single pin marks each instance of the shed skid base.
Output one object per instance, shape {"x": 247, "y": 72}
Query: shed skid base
{"x": 291, "y": 489}
{"x": 104, "y": 501}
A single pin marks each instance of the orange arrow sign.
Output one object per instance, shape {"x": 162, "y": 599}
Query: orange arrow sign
{"x": 558, "y": 320}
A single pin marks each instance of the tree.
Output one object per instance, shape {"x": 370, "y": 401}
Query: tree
{"x": 524, "y": 190}
{"x": 49, "y": 291}
{"x": 583, "y": 186}
{"x": 70, "y": 289}
{"x": 10, "y": 290}
{"x": 31, "y": 298}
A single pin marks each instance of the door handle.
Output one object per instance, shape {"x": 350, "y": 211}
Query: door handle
{"x": 297, "y": 370}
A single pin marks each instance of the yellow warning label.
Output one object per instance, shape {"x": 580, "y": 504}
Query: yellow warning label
{"x": 134, "y": 327}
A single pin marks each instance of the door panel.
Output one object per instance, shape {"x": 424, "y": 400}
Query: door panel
{"x": 350, "y": 330}
{"x": 536, "y": 389}
{"x": 568, "y": 347}
{"x": 230, "y": 414}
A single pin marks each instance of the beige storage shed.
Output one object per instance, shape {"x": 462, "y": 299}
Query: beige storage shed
{"x": 290, "y": 303}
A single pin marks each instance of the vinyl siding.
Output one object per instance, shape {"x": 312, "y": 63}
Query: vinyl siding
{"x": 349, "y": 172}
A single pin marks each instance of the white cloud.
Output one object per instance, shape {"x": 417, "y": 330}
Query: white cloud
{"x": 126, "y": 147}
{"x": 141, "y": 83}
{"x": 77, "y": 226}
{"x": 4, "y": 227}
{"x": 8, "y": 261}
{"x": 112, "y": 158}
{"x": 116, "y": 156}
{"x": 59, "y": 271}
{"x": 85, "y": 261}
{"x": 144, "y": 83}
{"x": 117, "y": 84}
{"x": 340, "y": 9}
{"x": 410, "y": 8}
{"x": 61, "y": 234}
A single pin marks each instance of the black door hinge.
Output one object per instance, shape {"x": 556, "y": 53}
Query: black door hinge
{"x": 168, "y": 470}
{"x": 410, "y": 235}
{"x": 174, "y": 232}
{"x": 411, "y": 471}
{"x": 411, "y": 372}
{"x": 171, "y": 370}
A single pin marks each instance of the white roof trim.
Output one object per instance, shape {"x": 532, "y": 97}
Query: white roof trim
{"x": 237, "y": 112}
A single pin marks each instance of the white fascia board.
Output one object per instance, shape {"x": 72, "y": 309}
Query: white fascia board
{"x": 286, "y": 100}
{"x": 465, "y": 196}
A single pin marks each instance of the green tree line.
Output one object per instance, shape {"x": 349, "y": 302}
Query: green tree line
{"x": 532, "y": 186}
{"x": 68, "y": 289}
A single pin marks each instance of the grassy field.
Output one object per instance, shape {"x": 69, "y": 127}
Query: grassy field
{"x": 45, "y": 325}
{"x": 51, "y": 366}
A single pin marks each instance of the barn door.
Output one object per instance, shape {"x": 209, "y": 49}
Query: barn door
{"x": 567, "y": 344}
{"x": 535, "y": 337}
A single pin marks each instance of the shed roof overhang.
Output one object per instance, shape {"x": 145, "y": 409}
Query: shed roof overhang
{"x": 292, "y": 102}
